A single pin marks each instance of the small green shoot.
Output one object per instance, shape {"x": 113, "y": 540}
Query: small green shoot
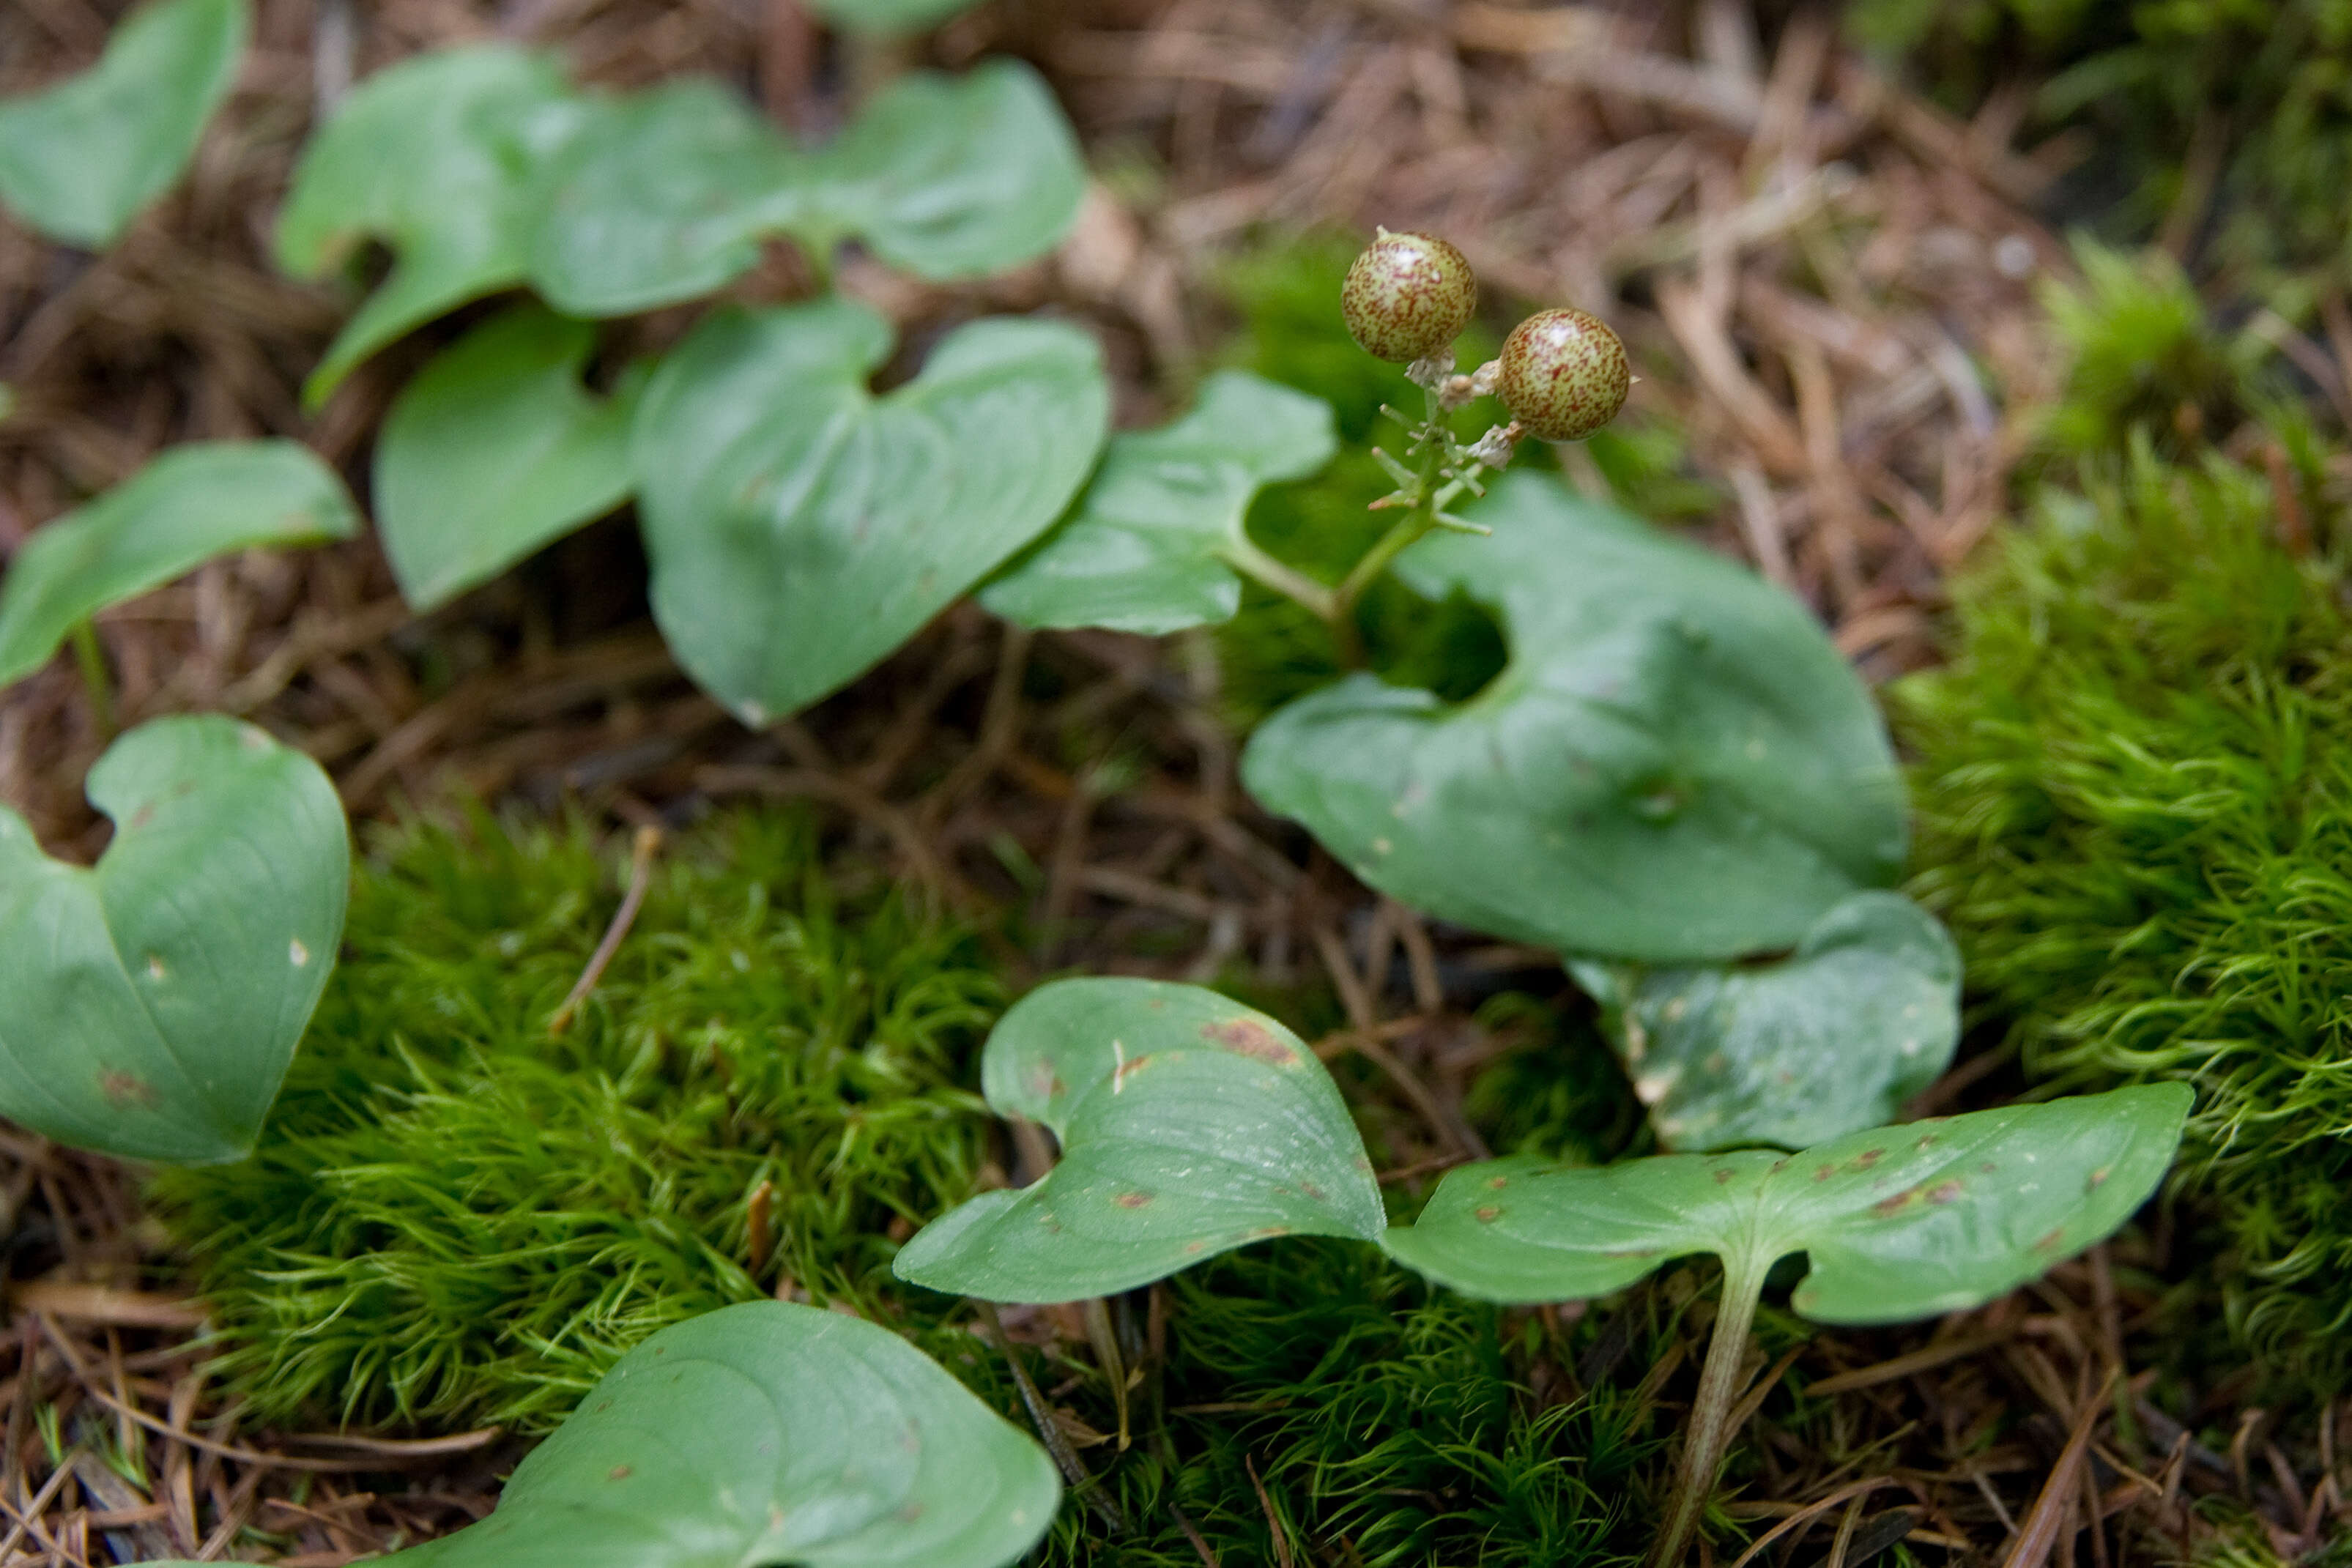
{"x": 193, "y": 503}
{"x": 800, "y": 528}
{"x": 154, "y": 1001}
{"x": 1158, "y": 543}
{"x": 81, "y": 159}
{"x": 438, "y": 157}
{"x": 1897, "y": 1223}
{"x": 1862, "y": 1016}
{"x": 668, "y": 194}
{"x": 767, "y": 1433}
{"x": 494, "y": 450}
{"x": 1675, "y": 767}
{"x": 1189, "y": 1125}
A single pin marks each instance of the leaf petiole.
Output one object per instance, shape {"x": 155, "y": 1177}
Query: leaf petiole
{"x": 95, "y": 680}
{"x": 1708, "y": 1434}
{"x": 1243, "y": 556}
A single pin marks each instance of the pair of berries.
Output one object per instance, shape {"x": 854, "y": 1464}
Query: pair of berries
{"x": 1563, "y": 374}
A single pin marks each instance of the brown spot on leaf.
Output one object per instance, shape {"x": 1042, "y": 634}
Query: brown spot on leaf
{"x": 1248, "y": 1036}
{"x": 2049, "y": 1243}
{"x": 619, "y": 1473}
{"x": 1886, "y": 1208}
{"x": 1488, "y": 1215}
{"x": 1986, "y": 1168}
{"x": 2098, "y": 1178}
{"x": 124, "y": 1090}
{"x": 1498, "y": 1182}
{"x": 1311, "y": 1190}
{"x": 1196, "y": 1247}
{"x": 1722, "y": 1175}
{"x": 1132, "y": 1200}
{"x": 1867, "y": 1159}
{"x": 1825, "y": 1173}
{"x": 1944, "y": 1192}
{"x": 145, "y": 815}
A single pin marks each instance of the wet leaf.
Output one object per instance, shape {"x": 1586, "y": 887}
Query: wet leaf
{"x": 800, "y": 528}
{"x": 1832, "y": 1039}
{"x": 1189, "y": 1125}
{"x": 668, "y": 194}
{"x": 1149, "y": 546}
{"x": 494, "y": 450}
{"x": 193, "y": 503}
{"x": 149, "y": 1005}
{"x": 438, "y": 157}
{"x": 1676, "y": 767}
{"x": 766, "y": 1433}
{"x": 1897, "y": 1223}
{"x": 81, "y": 159}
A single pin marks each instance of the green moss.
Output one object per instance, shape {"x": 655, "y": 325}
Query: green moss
{"x": 2146, "y": 357}
{"x": 2134, "y": 809}
{"x": 453, "y": 1218}
{"x": 1392, "y": 1424}
{"x": 2264, "y": 84}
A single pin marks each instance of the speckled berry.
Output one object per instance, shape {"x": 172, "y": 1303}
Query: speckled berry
{"x": 1408, "y": 296}
{"x": 1564, "y": 374}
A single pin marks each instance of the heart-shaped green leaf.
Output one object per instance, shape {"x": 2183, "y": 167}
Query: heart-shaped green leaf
{"x": 889, "y": 16}
{"x": 494, "y": 450}
{"x": 800, "y": 527}
{"x": 1149, "y": 548}
{"x": 439, "y": 157}
{"x": 1676, "y": 767}
{"x": 766, "y": 1433}
{"x": 78, "y": 160}
{"x": 1897, "y": 1223}
{"x": 148, "y": 1007}
{"x": 667, "y": 194}
{"x": 660, "y": 196}
{"x": 1831, "y": 1040}
{"x": 953, "y": 177}
{"x": 1189, "y": 1125}
{"x": 193, "y": 503}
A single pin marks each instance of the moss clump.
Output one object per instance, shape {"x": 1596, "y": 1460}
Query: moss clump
{"x": 2254, "y": 94}
{"x": 2135, "y": 811}
{"x": 455, "y": 1218}
{"x": 1392, "y": 1424}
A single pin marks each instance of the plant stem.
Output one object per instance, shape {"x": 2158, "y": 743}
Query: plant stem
{"x": 1418, "y": 520}
{"x": 1703, "y": 1443}
{"x": 1243, "y": 556}
{"x": 94, "y": 677}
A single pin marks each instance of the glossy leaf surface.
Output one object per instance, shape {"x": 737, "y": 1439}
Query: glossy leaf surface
{"x": 800, "y": 528}
{"x": 767, "y": 1433}
{"x": 193, "y": 503}
{"x": 78, "y": 160}
{"x": 1676, "y": 767}
{"x": 1897, "y": 1223}
{"x": 1148, "y": 549}
{"x": 668, "y": 194}
{"x": 1189, "y": 1125}
{"x": 1832, "y": 1039}
{"x": 438, "y": 157}
{"x": 149, "y": 1005}
{"x": 492, "y": 451}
